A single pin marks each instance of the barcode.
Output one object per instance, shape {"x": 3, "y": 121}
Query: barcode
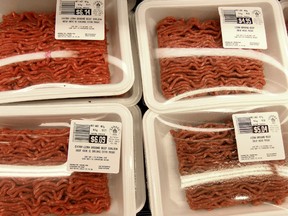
{"x": 230, "y": 16}
{"x": 67, "y": 7}
{"x": 244, "y": 124}
{"x": 81, "y": 133}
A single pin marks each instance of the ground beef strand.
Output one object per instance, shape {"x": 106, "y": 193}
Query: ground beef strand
{"x": 31, "y": 32}
{"x": 34, "y": 146}
{"x": 183, "y": 74}
{"x": 201, "y": 151}
{"x": 74, "y": 195}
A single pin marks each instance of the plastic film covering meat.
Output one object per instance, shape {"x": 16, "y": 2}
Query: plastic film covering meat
{"x": 212, "y": 175}
{"x": 29, "y": 32}
{"x": 47, "y": 146}
{"x": 184, "y": 74}
{"x": 74, "y": 195}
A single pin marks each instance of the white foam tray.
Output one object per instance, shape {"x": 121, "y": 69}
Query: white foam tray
{"x": 140, "y": 187}
{"x": 129, "y": 99}
{"x": 121, "y": 185}
{"x": 119, "y": 47}
{"x": 163, "y": 179}
{"x": 149, "y": 13}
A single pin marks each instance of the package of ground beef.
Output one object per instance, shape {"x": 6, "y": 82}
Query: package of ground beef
{"x": 53, "y": 50}
{"x": 48, "y": 166}
{"x": 194, "y": 54}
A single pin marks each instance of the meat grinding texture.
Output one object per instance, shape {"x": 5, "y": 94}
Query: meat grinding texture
{"x": 74, "y": 195}
{"x": 31, "y": 32}
{"x": 201, "y": 151}
{"x": 183, "y": 74}
{"x": 34, "y": 147}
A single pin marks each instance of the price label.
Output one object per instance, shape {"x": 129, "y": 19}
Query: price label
{"x": 258, "y": 137}
{"x": 80, "y": 20}
{"x": 260, "y": 129}
{"x": 94, "y": 146}
{"x": 98, "y": 139}
{"x": 242, "y": 27}
{"x": 83, "y": 12}
{"x": 244, "y": 20}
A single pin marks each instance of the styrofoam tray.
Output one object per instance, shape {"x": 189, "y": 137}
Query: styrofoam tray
{"x": 129, "y": 99}
{"x": 149, "y": 13}
{"x": 121, "y": 185}
{"x": 119, "y": 46}
{"x": 165, "y": 195}
{"x": 139, "y": 158}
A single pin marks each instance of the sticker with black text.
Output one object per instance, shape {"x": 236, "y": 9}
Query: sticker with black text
{"x": 94, "y": 146}
{"x": 258, "y": 137}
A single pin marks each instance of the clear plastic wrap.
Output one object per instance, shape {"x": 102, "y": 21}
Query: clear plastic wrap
{"x": 209, "y": 164}
{"x": 41, "y": 146}
{"x": 184, "y": 74}
{"x": 31, "y": 56}
{"x": 70, "y": 195}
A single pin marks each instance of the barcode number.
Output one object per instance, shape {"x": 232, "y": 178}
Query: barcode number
{"x": 244, "y": 124}
{"x": 230, "y": 16}
{"x": 67, "y": 7}
{"x": 81, "y": 133}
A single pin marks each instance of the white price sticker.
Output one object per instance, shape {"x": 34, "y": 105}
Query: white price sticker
{"x": 80, "y": 20}
{"x": 258, "y": 137}
{"x": 94, "y": 146}
{"x": 242, "y": 27}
